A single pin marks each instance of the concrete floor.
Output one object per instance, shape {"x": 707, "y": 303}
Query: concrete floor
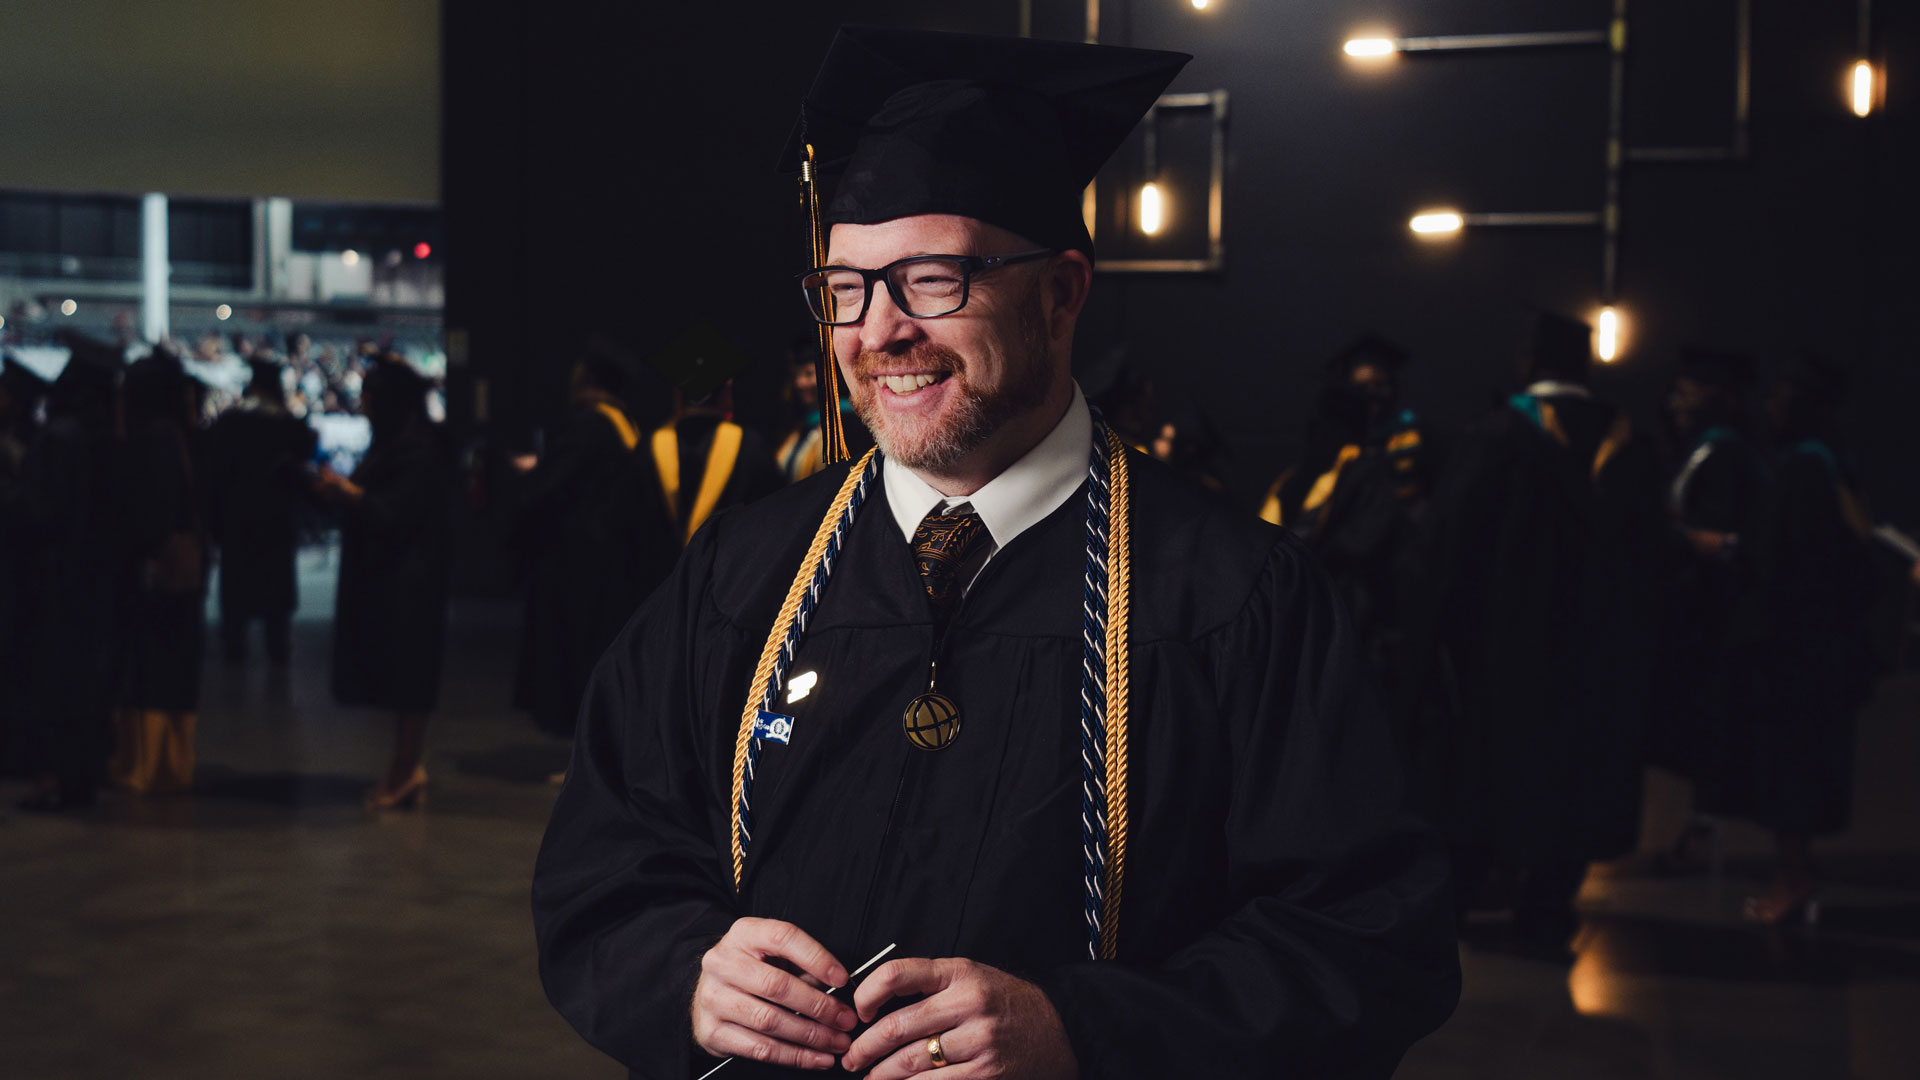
{"x": 266, "y": 927}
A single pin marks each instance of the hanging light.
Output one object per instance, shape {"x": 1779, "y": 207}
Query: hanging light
{"x": 1371, "y": 48}
{"x": 1606, "y": 340}
{"x": 1437, "y": 223}
{"x": 1863, "y": 87}
{"x": 1152, "y": 209}
{"x": 1199, "y": 5}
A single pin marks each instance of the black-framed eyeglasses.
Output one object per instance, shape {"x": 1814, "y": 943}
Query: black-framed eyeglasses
{"x": 923, "y": 286}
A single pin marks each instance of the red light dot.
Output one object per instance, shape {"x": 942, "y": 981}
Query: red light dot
{"x": 422, "y": 249}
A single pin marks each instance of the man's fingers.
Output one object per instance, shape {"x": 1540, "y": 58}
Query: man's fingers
{"x": 898, "y": 978}
{"x": 728, "y": 1005}
{"x": 771, "y": 937}
{"x": 909, "y": 1028}
{"x": 732, "y": 1040}
{"x": 961, "y": 1046}
{"x": 755, "y": 977}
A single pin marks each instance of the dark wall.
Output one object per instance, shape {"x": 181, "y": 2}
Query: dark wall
{"x": 608, "y": 169}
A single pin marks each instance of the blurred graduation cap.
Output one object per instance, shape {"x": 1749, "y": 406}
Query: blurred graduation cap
{"x": 158, "y": 383}
{"x": 1557, "y": 345}
{"x": 94, "y": 369}
{"x": 699, "y": 362}
{"x": 1369, "y": 348}
{"x": 22, "y": 383}
{"x": 1718, "y": 368}
{"x": 609, "y": 367}
{"x": 1006, "y": 130}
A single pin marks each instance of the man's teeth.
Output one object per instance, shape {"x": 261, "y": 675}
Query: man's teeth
{"x": 907, "y": 384}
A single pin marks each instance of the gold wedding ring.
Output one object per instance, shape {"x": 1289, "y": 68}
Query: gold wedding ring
{"x": 933, "y": 1051}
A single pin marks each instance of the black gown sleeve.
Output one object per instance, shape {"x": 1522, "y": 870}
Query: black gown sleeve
{"x": 398, "y": 505}
{"x": 628, "y": 890}
{"x": 1338, "y": 953}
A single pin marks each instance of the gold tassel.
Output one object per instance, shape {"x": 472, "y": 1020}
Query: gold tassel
{"x": 833, "y": 441}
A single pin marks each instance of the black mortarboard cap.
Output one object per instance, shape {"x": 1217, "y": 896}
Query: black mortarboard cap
{"x": 1370, "y": 348}
{"x": 263, "y": 368}
{"x": 1006, "y": 130}
{"x": 94, "y": 368}
{"x": 157, "y": 384}
{"x": 1557, "y": 345}
{"x": 700, "y": 361}
{"x": 22, "y": 382}
{"x": 609, "y": 367}
{"x": 1717, "y": 367}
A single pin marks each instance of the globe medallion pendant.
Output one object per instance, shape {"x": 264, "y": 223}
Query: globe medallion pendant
{"x": 932, "y": 721}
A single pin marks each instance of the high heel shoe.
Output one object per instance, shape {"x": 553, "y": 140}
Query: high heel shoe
{"x": 411, "y": 795}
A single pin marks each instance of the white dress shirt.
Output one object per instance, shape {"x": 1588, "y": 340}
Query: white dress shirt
{"x": 1011, "y": 503}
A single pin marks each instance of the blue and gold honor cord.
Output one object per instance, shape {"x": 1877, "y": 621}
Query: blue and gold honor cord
{"x": 1103, "y": 673}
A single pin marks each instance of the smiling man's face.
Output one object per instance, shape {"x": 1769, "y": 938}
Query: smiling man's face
{"x": 935, "y": 391}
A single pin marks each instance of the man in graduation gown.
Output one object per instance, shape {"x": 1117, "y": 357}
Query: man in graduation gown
{"x": 1822, "y": 658}
{"x": 1280, "y": 916}
{"x": 1543, "y": 537}
{"x": 800, "y": 454}
{"x": 72, "y": 492}
{"x": 1710, "y": 681}
{"x": 703, "y": 460}
{"x": 21, "y": 390}
{"x": 592, "y": 537}
{"x": 1360, "y": 498}
{"x": 256, "y": 489}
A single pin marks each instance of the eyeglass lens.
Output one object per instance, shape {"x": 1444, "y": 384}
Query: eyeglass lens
{"x": 924, "y": 288}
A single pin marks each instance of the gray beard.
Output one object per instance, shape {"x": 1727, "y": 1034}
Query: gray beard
{"x": 977, "y": 415}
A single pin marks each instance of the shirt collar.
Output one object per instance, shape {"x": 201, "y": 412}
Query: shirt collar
{"x": 1017, "y": 499}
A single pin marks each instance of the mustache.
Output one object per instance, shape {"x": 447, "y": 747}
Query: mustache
{"x": 930, "y": 358}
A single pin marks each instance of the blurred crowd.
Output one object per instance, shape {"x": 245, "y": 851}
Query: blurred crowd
{"x": 122, "y": 487}
{"x": 1548, "y": 600}
{"x": 1563, "y": 593}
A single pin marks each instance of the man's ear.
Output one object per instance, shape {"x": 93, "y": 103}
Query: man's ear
{"x": 1069, "y": 277}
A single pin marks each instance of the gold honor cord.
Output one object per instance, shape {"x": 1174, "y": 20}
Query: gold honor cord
{"x": 1119, "y": 703}
{"x": 770, "y": 653}
{"x": 833, "y": 432}
{"x": 1115, "y": 652}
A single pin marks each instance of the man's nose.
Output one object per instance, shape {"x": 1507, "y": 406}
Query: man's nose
{"x": 886, "y": 328}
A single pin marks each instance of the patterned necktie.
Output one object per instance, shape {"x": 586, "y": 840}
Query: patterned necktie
{"x": 940, "y": 545}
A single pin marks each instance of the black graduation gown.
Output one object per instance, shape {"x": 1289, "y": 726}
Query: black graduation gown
{"x": 163, "y": 625}
{"x": 256, "y": 492}
{"x": 1823, "y": 668}
{"x": 1371, "y": 536}
{"x": 72, "y": 507}
{"x": 1710, "y": 683}
{"x": 755, "y": 472}
{"x": 591, "y": 532}
{"x": 1278, "y": 911}
{"x": 390, "y": 618}
{"x": 1543, "y": 633}
{"x": 16, "y": 595}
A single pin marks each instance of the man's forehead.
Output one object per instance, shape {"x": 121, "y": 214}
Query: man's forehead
{"x": 920, "y": 234}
